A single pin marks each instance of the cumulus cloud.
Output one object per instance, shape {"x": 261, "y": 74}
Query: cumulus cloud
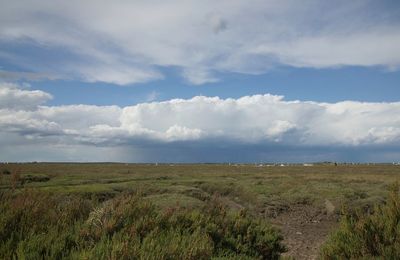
{"x": 268, "y": 119}
{"x": 127, "y": 42}
{"x": 196, "y": 129}
{"x": 251, "y": 120}
{"x": 22, "y": 110}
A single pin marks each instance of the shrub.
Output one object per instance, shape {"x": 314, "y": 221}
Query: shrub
{"x": 5, "y": 172}
{"x": 40, "y": 225}
{"x": 375, "y": 235}
{"x": 176, "y": 233}
{"x": 34, "y": 178}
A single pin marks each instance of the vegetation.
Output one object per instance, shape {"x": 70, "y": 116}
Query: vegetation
{"x": 148, "y": 211}
{"x": 37, "y": 225}
{"x": 375, "y": 235}
{"x": 5, "y": 172}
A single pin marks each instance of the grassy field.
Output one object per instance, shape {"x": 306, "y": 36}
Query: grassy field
{"x": 250, "y": 186}
{"x": 304, "y": 202}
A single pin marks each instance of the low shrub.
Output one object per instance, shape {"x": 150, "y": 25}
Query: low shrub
{"x": 361, "y": 235}
{"x": 34, "y": 178}
{"x": 40, "y": 225}
{"x": 6, "y": 172}
{"x": 33, "y": 223}
{"x": 179, "y": 233}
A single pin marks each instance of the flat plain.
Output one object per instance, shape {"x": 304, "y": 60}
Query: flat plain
{"x": 303, "y": 201}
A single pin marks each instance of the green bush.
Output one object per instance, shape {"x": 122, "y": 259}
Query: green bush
{"x": 375, "y": 235}
{"x": 40, "y": 225}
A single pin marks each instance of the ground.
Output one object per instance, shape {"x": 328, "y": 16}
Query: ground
{"x": 305, "y": 229}
{"x": 303, "y": 201}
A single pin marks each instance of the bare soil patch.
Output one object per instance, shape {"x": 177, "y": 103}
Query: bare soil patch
{"x": 305, "y": 228}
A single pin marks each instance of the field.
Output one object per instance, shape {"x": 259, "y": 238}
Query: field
{"x": 304, "y": 202}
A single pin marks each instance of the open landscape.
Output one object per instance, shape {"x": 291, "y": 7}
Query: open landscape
{"x": 199, "y": 129}
{"x": 295, "y": 207}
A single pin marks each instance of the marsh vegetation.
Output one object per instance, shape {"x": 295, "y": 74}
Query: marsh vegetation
{"x": 146, "y": 211}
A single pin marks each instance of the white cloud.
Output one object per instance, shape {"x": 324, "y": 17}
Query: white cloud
{"x": 22, "y": 111}
{"x": 360, "y": 49}
{"x": 259, "y": 119}
{"x": 267, "y": 118}
{"x": 198, "y": 76}
{"x": 182, "y": 133}
{"x": 80, "y": 117}
{"x": 124, "y": 75}
{"x": 13, "y": 97}
{"x": 126, "y": 42}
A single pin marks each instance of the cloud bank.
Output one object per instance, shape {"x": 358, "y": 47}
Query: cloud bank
{"x": 128, "y": 42}
{"x": 259, "y": 122}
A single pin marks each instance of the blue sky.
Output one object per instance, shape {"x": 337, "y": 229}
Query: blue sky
{"x": 323, "y": 85}
{"x": 256, "y": 81}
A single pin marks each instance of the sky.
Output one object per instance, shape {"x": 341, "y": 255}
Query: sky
{"x": 200, "y": 81}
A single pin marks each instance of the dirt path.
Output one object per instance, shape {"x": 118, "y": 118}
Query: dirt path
{"x": 305, "y": 228}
